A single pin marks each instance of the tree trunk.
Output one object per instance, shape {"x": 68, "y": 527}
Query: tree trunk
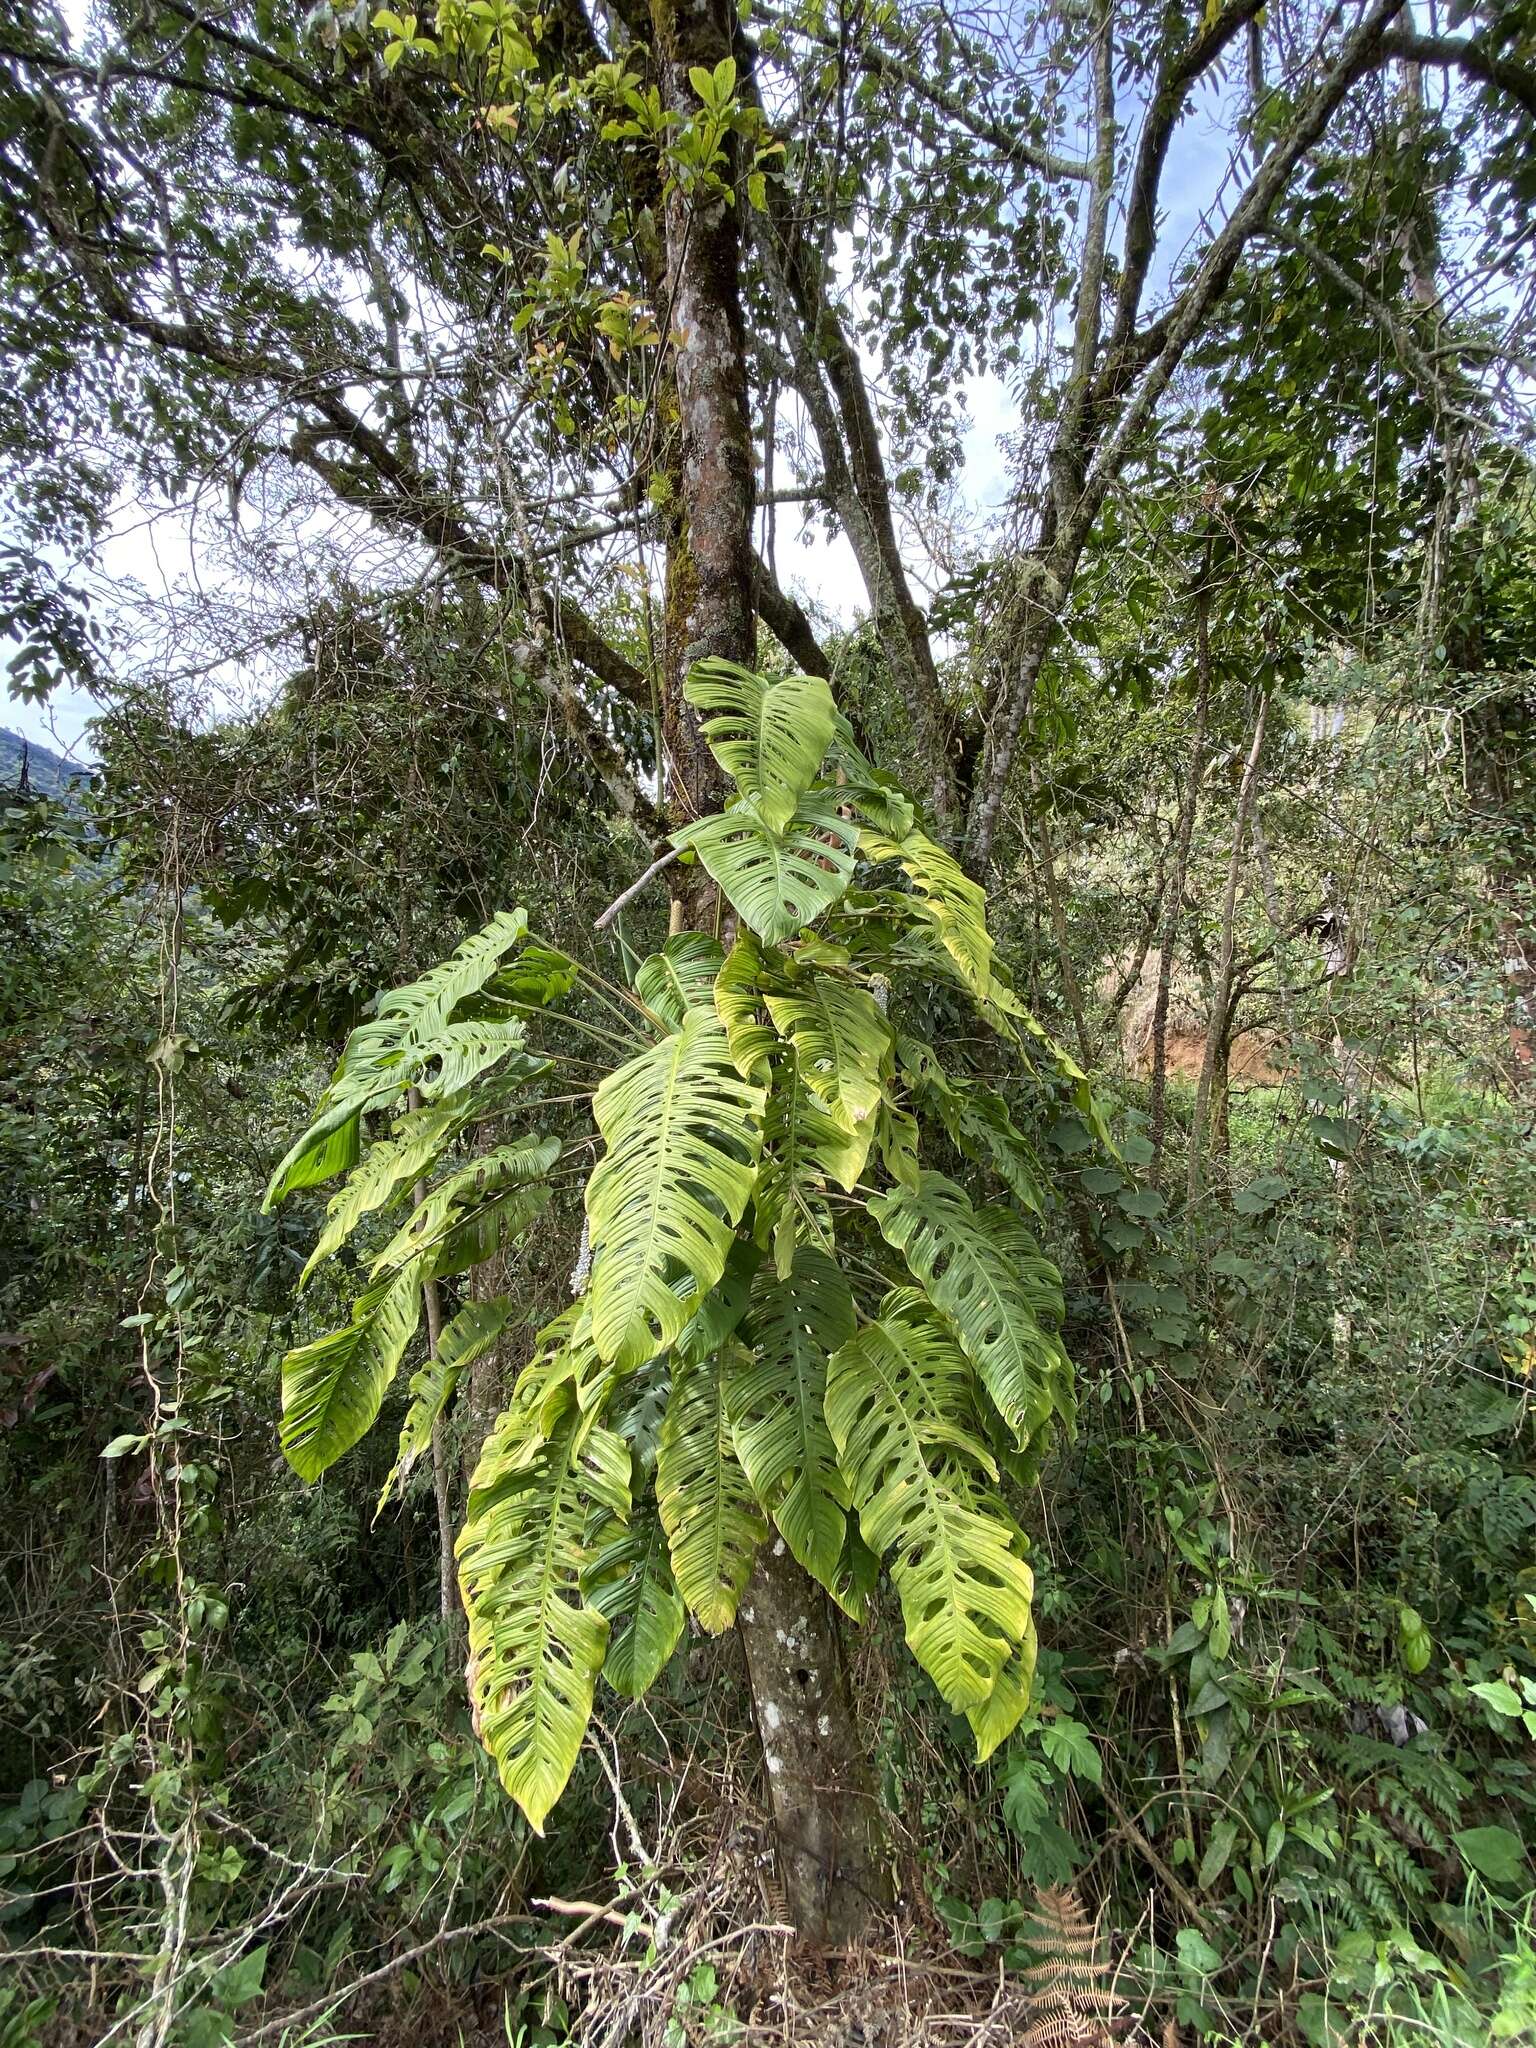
{"x": 826, "y": 1814}
{"x": 831, "y": 1834}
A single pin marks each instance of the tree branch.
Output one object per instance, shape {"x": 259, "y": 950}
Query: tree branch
{"x": 1468, "y": 55}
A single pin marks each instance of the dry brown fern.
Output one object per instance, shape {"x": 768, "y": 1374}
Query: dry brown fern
{"x": 1071, "y": 1999}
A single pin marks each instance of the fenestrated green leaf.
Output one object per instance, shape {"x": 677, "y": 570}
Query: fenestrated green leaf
{"x": 467, "y": 1337}
{"x": 537, "y": 978}
{"x": 1004, "y": 1707}
{"x": 681, "y": 977}
{"x": 955, "y": 905}
{"x": 977, "y": 1119}
{"x": 330, "y": 1146}
{"x": 467, "y": 1189}
{"x": 707, "y": 1506}
{"x": 902, "y": 1414}
{"x": 630, "y": 1583}
{"x": 803, "y": 1149}
{"x": 858, "y": 1572}
{"x": 722, "y": 1309}
{"x": 739, "y": 1002}
{"x": 776, "y": 1397}
{"x": 840, "y": 1039}
{"x": 536, "y": 1644}
{"x": 768, "y": 736}
{"x": 777, "y": 881}
{"x": 423, "y": 1007}
{"x": 383, "y": 1055}
{"x": 987, "y": 1275}
{"x": 682, "y": 1130}
{"x": 464, "y": 1051}
{"x": 334, "y": 1387}
{"x": 896, "y": 1137}
{"x": 389, "y": 1166}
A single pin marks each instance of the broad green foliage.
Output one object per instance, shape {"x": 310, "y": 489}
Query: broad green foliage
{"x": 472, "y": 1332}
{"x": 707, "y": 1504}
{"x": 1002, "y": 1298}
{"x": 777, "y": 1396}
{"x": 630, "y": 1583}
{"x": 682, "y": 1131}
{"x": 769, "y": 737}
{"x": 840, "y": 1039}
{"x": 333, "y": 1388}
{"x": 827, "y": 1334}
{"x": 681, "y": 977}
{"x": 536, "y": 1643}
{"x": 384, "y": 1056}
{"x": 901, "y": 1407}
{"x": 778, "y": 880}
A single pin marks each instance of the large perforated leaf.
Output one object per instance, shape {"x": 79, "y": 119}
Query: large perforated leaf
{"x": 840, "y": 1039}
{"x": 902, "y": 1414}
{"x": 384, "y": 1055}
{"x": 803, "y": 1150}
{"x": 630, "y": 1583}
{"x": 776, "y": 1394}
{"x": 955, "y": 905}
{"x": 469, "y": 1335}
{"x": 985, "y": 1273}
{"x": 768, "y": 736}
{"x": 681, "y": 977}
{"x": 536, "y": 1643}
{"x": 467, "y": 1189}
{"x": 388, "y": 1166}
{"x": 740, "y": 1005}
{"x": 707, "y": 1505}
{"x": 1003, "y": 1709}
{"x": 462, "y": 1052}
{"x": 333, "y": 1388}
{"x": 682, "y": 1131}
{"x": 777, "y": 880}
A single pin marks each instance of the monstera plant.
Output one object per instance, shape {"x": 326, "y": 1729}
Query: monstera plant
{"x": 783, "y": 1317}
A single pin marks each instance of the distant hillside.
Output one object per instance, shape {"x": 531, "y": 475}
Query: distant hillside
{"x": 48, "y": 773}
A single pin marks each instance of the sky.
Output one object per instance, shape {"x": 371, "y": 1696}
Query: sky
{"x": 156, "y": 553}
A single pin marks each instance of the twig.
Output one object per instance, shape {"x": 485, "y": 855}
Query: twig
{"x": 601, "y": 924}
{"x": 1159, "y": 1863}
{"x": 335, "y": 1999}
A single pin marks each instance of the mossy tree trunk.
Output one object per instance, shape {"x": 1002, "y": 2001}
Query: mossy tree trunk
{"x": 821, "y": 1784}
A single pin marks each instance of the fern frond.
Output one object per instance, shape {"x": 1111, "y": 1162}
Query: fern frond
{"x": 1068, "y": 1982}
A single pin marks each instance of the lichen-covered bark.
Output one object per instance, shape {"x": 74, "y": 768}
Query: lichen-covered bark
{"x": 709, "y": 594}
{"x": 833, "y": 1860}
